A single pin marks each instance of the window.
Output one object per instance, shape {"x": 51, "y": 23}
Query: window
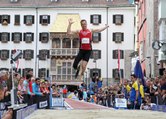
{"x": 4, "y": 37}
{"x": 115, "y": 73}
{"x": 85, "y": 0}
{"x": 76, "y": 43}
{"x": 28, "y": 54}
{"x": 43, "y": 54}
{"x": 17, "y": 20}
{"x": 118, "y": 37}
{"x": 42, "y": 73}
{"x": 95, "y": 19}
{"x": 29, "y": 19}
{"x": 118, "y": 19}
{"x": 44, "y": 37}
{"x": 54, "y": 0}
{"x": 4, "y": 69}
{"x": 66, "y": 43}
{"x": 44, "y": 19}
{"x": 28, "y": 37}
{"x": 115, "y": 54}
{"x": 96, "y": 54}
{"x": 16, "y": 37}
{"x": 96, "y": 37}
{"x": 25, "y": 71}
{"x": 4, "y": 54}
{"x": 13, "y": 0}
{"x": 95, "y": 71}
{"x": 5, "y": 19}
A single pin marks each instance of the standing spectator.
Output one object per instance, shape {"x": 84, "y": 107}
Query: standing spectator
{"x": 20, "y": 91}
{"x": 135, "y": 98}
{"x": 27, "y": 94}
{"x": 163, "y": 89}
{"x": 64, "y": 91}
{"x": 36, "y": 87}
{"x": 85, "y": 95}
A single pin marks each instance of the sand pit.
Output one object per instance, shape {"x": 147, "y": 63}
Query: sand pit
{"x": 96, "y": 114}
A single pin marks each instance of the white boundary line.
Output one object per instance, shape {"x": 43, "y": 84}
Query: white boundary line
{"x": 68, "y": 105}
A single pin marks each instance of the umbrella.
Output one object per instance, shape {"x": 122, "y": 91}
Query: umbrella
{"x": 138, "y": 72}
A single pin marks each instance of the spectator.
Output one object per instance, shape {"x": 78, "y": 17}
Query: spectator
{"x": 36, "y": 87}
{"x": 135, "y": 98}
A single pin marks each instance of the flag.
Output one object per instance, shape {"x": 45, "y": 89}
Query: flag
{"x": 118, "y": 60}
{"x": 17, "y": 65}
{"x": 138, "y": 72}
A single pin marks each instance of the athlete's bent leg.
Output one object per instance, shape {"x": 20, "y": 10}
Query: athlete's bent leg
{"x": 83, "y": 66}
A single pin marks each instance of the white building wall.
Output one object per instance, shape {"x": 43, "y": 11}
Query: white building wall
{"x": 162, "y": 29}
{"x": 127, "y": 27}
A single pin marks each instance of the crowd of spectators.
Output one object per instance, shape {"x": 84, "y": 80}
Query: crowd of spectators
{"x": 26, "y": 89}
{"x": 137, "y": 95}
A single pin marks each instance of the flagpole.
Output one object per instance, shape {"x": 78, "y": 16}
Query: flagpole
{"x": 119, "y": 71}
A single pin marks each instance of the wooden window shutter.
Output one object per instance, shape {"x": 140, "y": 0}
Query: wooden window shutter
{"x": 0, "y": 19}
{"x": 122, "y": 36}
{"x": 8, "y": 20}
{"x": 99, "y": 18}
{"x": 0, "y": 36}
{"x": 32, "y": 54}
{"x": 41, "y": 17}
{"x": 91, "y": 18}
{"x": 33, "y": 19}
{"x": 114, "y": 37}
{"x": 99, "y": 36}
{"x": 114, "y": 54}
{"x": 25, "y": 19}
{"x": 20, "y": 36}
{"x": 48, "y": 19}
{"x": 48, "y": 53}
{"x": 24, "y": 54}
{"x": 114, "y": 19}
{"x": 8, "y": 34}
{"x": 99, "y": 51}
{"x": 121, "y": 18}
{"x": 32, "y": 36}
{"x": 40, "y": 36}
{"x": 24, "y": 37}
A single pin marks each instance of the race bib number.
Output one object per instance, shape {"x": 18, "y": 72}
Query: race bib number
{"x": 85, "y": 41}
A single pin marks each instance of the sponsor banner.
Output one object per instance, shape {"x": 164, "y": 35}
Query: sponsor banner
{"x": 57, "y": 102}
{"x": 159, "y": 108}
{"x": 24, "y": 112}
{"x": 120, "y": 103}
{"x": 43, "y": 104}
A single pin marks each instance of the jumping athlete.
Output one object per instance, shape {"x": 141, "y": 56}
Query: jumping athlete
{"x": 85, "y": 37}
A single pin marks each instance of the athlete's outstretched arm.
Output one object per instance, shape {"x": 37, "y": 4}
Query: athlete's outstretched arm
{"x": 100, "y": 29}
{"x": 69, "y": 32}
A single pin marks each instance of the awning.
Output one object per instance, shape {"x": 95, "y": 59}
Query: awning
{"x": 61, "y": 23}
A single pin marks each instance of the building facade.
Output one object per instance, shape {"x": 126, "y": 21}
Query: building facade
{"x": 162, "y": 34}
{"x": 38, "y": 28}
{"x": 148, "y": 32}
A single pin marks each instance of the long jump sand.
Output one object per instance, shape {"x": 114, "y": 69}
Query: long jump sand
{"x": 97, "y": 114}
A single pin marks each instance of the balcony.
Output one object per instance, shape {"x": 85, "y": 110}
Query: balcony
{"x": 64, "y": 52}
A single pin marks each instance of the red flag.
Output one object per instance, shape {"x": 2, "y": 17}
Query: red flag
{"x": 17, "y": 64}
{"x": 118, "y": 60}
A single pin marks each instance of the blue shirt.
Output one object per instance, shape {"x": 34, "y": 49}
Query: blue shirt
{"x": 35, "y": 89}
